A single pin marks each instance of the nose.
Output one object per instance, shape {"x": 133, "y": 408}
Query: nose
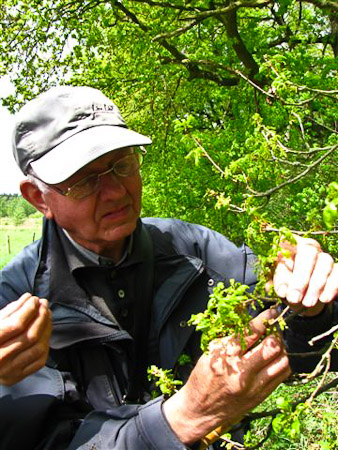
{"x": 111, "y": 186}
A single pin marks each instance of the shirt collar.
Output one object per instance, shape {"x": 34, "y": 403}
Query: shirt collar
{"x": 78, "y": 256}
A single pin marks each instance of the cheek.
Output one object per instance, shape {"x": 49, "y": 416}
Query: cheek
{"x": 70, "y": 215}
{"x": 135, "y": 191}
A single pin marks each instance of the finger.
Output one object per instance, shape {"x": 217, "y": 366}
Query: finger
{"x": 14, "y": 306}
{"x": 26, "y": 362}
{"x": 307, "y": 241}
{"x": 258, "y": 325}
{"x": 273, "y": 375}
{"x": 17, "y": 322}
{"x": 319, "y": 277}
{"x": 330, "y": 291}
{"x": 264, "y": 353}
{"x": 33, "y": 334}
{"x": 282, "y": 276}
{"x": 234, "y": 345}
{"x": 266, "y": 367}
{"x": 44, "y": 302}
{"x": 38, "y": 353}
{"x": 42, "y": 324}
{"x": 305, "y": 261}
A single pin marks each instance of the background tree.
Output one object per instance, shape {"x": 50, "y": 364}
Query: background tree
{"x": 16, "y": 207}
{"x": 239, "y": 97}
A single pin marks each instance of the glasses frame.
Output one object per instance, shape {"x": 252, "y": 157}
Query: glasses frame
{"x": 67, "y": 192}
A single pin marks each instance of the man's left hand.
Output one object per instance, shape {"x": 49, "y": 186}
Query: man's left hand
{"x": 308, "y": 278}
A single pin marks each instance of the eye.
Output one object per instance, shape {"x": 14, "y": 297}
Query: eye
{"x": 122, "y": 166}
{"x": 127, "y": 165}
{"x": 84, "y": 185}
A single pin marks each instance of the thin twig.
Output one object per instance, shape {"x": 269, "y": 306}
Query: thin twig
{"x": 297, "y": 177}
{"x": 323, "y": 335}
{"x": 320, "y": 91}
{"x": 300, "y": 152}
{"x": 232, "y": 7}
{"x": 176, "y": 32}
{"x": 302, "y": 233}
{"x": 208, "y": 156}
{"x": 321, "y": 383}
{"x": 301, "y": 128}
{"x": 326, "y": 356}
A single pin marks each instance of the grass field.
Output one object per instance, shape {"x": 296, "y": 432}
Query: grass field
{"x": 14, "y": 238}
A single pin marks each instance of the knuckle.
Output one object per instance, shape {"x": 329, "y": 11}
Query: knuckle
{"x": 272, "y": 347}
{"x": 32, "y": 337}
{"x": 39, "y": 351}
{"x": 325, "y": 258}
{"x": 311, "y": 251}
{"x": 15, "y": 325}
{"x": 310, "y": 242}
{"x": 40, "y": 363}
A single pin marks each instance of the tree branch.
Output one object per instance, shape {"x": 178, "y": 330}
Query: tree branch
{"x": 172, "y": 6}
{"x": 302, "y": 233}
{"x": 298, "y": 177}
{"x": 217, "y": 167}
{"x": 176, "y": 32}
{"x": 323, "y": 4}
{"x": 179, "y": 57}
{"x": 229, "y": 20}
{"x": 232, "y": 7}
{"x": 321, "y": 336}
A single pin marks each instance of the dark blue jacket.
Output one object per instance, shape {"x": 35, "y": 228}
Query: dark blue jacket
{"x": 76, "y": 401}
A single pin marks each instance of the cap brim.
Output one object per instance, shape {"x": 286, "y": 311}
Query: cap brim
{"x": 82, "y": 148}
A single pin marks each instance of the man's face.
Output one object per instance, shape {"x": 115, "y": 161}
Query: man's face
{"x": 101, "y": 221}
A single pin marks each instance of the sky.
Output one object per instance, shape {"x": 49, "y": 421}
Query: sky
{"x": 10, "y": 174}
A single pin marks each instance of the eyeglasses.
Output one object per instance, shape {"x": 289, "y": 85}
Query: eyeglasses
{"x": 123, "y": 167}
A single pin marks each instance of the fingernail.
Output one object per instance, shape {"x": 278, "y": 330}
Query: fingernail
{"x": 294, "y": 297}
{"x": 324, "y": 298}
{"x": 281, "y": 290}
{"x": 273, "y": 312}
{"x": 309, "y": 301}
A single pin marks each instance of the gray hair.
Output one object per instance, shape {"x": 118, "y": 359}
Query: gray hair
{"x": 43, "y": 187}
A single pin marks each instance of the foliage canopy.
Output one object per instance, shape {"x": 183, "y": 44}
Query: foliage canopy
{"x": 239, "y": 97}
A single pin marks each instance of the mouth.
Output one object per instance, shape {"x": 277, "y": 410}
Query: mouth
{"x": 117, "y": 214}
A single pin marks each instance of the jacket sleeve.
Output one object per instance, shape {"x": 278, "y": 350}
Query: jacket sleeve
{"x": 127, "y": 427}
{"x": 44, "y": 412}
{"x": 303, "y": 356}
{"x": 17, "y": 277}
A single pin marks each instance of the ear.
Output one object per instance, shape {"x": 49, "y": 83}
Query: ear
{"x": 35, "y": 197}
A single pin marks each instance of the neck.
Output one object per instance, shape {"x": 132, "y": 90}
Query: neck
{"x": 94, "y": 251}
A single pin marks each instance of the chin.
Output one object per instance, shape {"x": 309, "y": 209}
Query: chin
{"x": 120, "y": 232}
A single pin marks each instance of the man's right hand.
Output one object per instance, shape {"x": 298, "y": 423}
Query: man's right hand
{"x": 25, "y": 329}
{"x": 227, "y": 382}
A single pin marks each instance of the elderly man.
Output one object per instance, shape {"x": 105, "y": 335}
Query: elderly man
{"x": 121, "y": 290}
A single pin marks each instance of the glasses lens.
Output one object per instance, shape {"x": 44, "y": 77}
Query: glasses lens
{"x": 127, "y": 166}
{"x": 84, "y": 187}
{"x": 124, "y": 167}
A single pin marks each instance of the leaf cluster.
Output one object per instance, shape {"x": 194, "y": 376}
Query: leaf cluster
{"x": 226, "y": 314}
{"x": 164, "y": 380}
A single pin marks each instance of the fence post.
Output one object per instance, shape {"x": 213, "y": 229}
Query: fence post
{"x": 9, "y": 244}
